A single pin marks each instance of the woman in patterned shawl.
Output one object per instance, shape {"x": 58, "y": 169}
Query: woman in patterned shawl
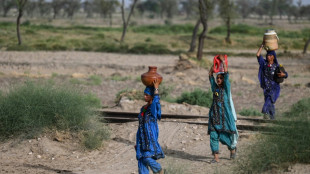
{"x": 221, "y": 126}
{"x": 148, "y": 149}
{"x": 266, "y": 77}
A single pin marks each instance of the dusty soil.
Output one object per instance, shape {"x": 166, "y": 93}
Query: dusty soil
{"x": 186, "y": 145}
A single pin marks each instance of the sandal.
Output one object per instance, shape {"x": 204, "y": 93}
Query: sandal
{"x": 233, "y": 155}
{"x": 213, "y": 161}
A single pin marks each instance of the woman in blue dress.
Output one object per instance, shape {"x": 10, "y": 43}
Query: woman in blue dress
{"x": 222, "y": 126}
{"x": 266, "y": 77}
{"x": 148, "y": 149}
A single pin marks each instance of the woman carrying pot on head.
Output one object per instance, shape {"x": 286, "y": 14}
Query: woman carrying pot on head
{"x": 222, "y": 126}
{"x": 266, "y": 76}
{"x": 148, "y": 149}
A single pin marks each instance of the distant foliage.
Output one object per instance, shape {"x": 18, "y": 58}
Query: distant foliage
{"x": 197, "y": 97}
{"x": 286, "y": 145}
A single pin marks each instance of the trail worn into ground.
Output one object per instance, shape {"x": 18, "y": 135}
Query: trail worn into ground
{"x": 186, "y": 145}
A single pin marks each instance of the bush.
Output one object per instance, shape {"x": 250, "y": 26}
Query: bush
{"x": 32, "y": 107}
{"x": 132, "y": 94}
{"x": 164, "y": 29}
{"x": 142, "y": 48}
{"x": 197, "y": 97}
{"x": 240, "y": 29}
{"x": 173, "y": 168}
{"x": 250, "y": 112}
{"x": 288, "y": 143}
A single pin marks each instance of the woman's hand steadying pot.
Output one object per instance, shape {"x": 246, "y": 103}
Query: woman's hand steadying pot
{"x": 156, "y": 83}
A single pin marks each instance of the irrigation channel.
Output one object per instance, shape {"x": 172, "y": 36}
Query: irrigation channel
{"x": 243, "y": 123}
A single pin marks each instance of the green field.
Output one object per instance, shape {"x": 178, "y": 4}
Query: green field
{"x": 149, "y": 39}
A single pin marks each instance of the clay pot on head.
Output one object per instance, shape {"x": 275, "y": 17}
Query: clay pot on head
{"x": 148, "y": 77}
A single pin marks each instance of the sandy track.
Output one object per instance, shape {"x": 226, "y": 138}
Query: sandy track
{"x": 185, "y": 145}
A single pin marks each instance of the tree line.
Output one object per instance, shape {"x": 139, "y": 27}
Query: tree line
{"x": 168, "y": 9}
{"x": 201, "y": 10}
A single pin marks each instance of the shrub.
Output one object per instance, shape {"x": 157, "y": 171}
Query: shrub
{"x": 173, "y": 168}
{"x": 132, "y": 94}
{"x": 117, "y": 77}
{"x": 142, "y": 48}
{"x": 164, "y": 29}
{"x": 95, "y": 80}
{"x": 250, "y": 112}
{"x": 197, "y": 97}
{"x": 288, "y": 143}
{"x": 32, "y": 107}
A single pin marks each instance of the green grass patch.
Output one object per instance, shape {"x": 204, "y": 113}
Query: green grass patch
{"x": 197, "y": 97}
{"x": 150, "y": 39}
{"x": 164, "y": 29}
{"x": 142, "y": 48}
{"x": 250, "y": 112}
{"x": 34, "y": 106}
{"x": 93, "y": 80}
{"x": 173, "y": 168}
{"x": 118, "y": 77}
{"x": 287, "y": 144}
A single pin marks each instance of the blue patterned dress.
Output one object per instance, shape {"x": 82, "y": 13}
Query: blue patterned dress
{"x": 147, "y": 145}
{"x": 271, "y": 88}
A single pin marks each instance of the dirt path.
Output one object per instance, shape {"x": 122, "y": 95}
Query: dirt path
{"x": 186, "y": 146}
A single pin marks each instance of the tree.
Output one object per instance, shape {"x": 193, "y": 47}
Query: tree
{"x": 188, "y": 6}
{"x": 169, "y": 7}
{"x": 305, "y": 11}
{"x": 44, "y": 7}
{"x": 210, "y": 6}
{"x": 89, "y": 8}
{"x": 262, "y": 8}
{"x": 106, "y": 8}
{"x": 126, "y": 22}
{"x": 20, "y": 6}
{"x": 194, "y": 36}
{"x": 151, "y": 6}
{"x": 6, "y": 5}
{"x": 283, "y": 7}
{"x": 71, "y": 6}
{"x": 273, "y": 10}
{"x": 306, "y": 46}
{"x": 31, "y": 7}
{"x": 57, "y": 5}
{"x": 245, "y": 7}
{"x": 227, "y": 13}
{"x": 203, "y": 19}
{"x": 306, "y": 32}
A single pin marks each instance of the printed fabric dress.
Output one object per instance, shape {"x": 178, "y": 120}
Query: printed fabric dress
{"x": 271, "y": 88}
{"x": 147, "y": 145}
{"x": 221, "y": 117}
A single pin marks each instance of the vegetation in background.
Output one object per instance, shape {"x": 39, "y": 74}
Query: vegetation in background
{"x": 287, "y": 144}
{"x": 30, "y": 108}
{"x": 197, "y": 97}
{"x": 250, "y": 112}
{"x": 150, "y": 39}
{"x": 92, "y": 80}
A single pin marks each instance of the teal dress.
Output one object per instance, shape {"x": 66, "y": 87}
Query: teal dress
{"x": 221, "y": 126}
